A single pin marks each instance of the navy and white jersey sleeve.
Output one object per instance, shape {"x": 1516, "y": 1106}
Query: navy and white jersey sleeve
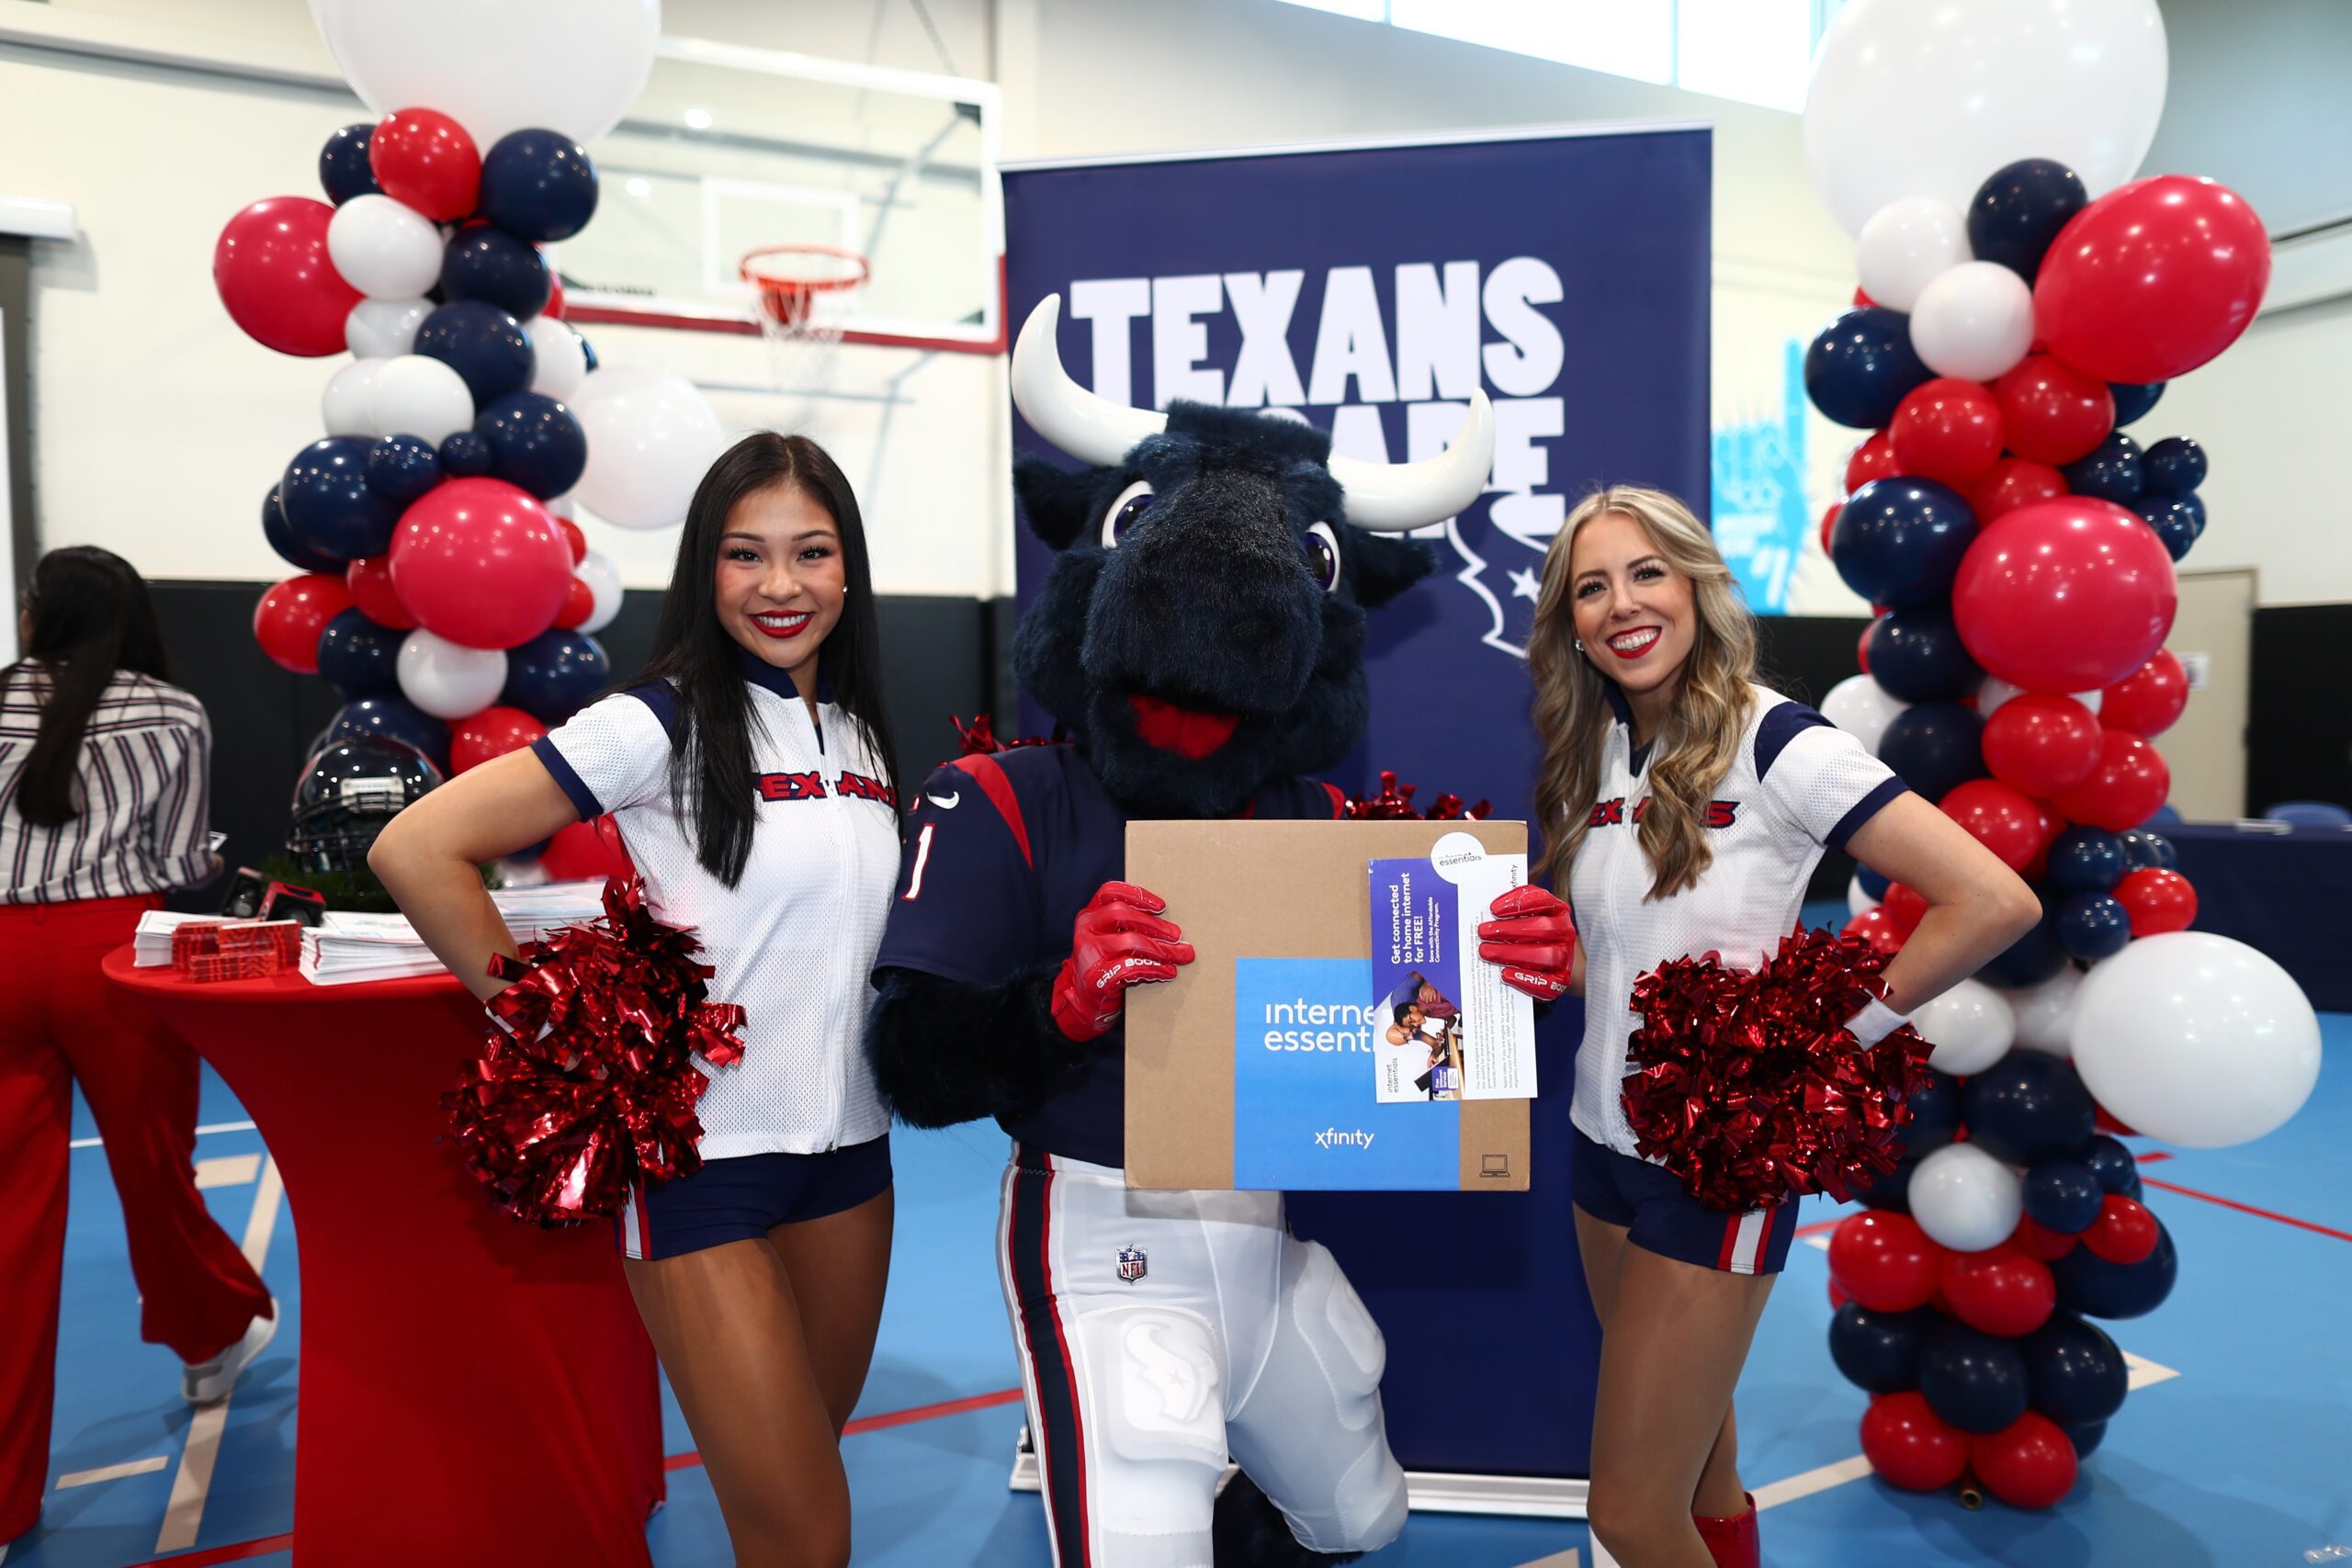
{"x": 614, "y": 752}
{"x": 967, "y": 905}
{"x": 1819, "y": 777}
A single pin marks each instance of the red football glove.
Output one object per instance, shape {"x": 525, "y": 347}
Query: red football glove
{"x": 1118, "y": 942}
{"x": 1534, "y": 940}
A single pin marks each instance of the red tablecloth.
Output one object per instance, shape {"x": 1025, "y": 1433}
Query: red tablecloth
{"x": 473, "y": 1390}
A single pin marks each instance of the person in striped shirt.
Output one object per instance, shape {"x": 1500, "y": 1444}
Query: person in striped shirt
{"x": 103, "y": 791}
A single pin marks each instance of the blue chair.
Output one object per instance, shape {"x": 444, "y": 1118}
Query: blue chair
{"x": 2311, "y": 813}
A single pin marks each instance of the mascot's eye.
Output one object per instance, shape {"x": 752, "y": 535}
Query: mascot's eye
{"x": 1124, "y": 512}
{"x": 1321, "y": 547}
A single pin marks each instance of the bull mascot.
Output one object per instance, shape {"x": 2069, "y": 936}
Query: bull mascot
{"x": 1201, "y": 637}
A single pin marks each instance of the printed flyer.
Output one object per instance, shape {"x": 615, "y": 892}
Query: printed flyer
{"x": 1445, "y": 1026}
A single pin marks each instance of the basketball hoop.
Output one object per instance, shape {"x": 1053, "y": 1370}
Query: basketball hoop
{"x": 803, "y": 295}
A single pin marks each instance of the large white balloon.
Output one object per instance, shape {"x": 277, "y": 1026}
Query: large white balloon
{"x": 560, "y": 362}
{"x": 2195, "y": 1039}
{"x": 1910, "y": 99}
{"x": 446, "y": 678}
{"x": 1974, "y": 321}
{"x": 421, "y": 397}
{"x": 1862, "y": 708}
{"x": 572, "y": 65}
{"x": 1971, "y": 1027}
{"x": 384, "y": 250}
{"x": 2045, "y": 1013}
{"x": 1964, "y": 1199}
{"x": 1856, "y": 899}
{"x": 1905, "y": 246}
{"x": 603, "y": 580}
{"x": 652, "y": 436}
{"x": 379, "y": 329}
{"x": 348, "y": 404}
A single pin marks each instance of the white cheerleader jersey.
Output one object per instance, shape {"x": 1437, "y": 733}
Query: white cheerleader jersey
{"x": 793, "y": 941}
{"x": 1798, "y": 785}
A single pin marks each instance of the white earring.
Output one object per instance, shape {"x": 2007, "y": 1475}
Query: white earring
{"x": 1580, "y": 645}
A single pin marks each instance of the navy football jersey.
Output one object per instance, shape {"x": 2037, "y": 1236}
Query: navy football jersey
{"x": 1001, "y": 854}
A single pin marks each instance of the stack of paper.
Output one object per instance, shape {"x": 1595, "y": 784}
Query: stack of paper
{"x": 348, "y": 949}
{"x": 151, "y": 947}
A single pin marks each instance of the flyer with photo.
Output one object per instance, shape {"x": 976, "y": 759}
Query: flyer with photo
{"x": 1443, "y": 1025}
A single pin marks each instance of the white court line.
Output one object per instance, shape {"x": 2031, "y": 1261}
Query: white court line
{"x": 227, "y": 1170}
{"x": 1820, "y": 1241}
{"x": 200, "y": 1131}
{"x": 1568, "y": 1558}
{"x": 193, "y": 1482}
{"x": 112, "y": 1472}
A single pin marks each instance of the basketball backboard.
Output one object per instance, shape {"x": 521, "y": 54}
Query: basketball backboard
{"x": 731, "y": 148}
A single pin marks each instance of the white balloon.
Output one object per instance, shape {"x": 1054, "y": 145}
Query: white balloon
{"x": 446, "y": 679}
{"x": 2045, "y": 1013}
{"x": 1856, "y": 899}
{"x": 1971, "y": 1027}
{"x": 603, "y": 580}
{"x": 1973, "y": 320}
{"x": 2195, "y": 1039}
{"x": 652, "y": 436}
{"x": 572, "y": 65}
{"x": 561, "y": 506}
{"x": 1862, "y": 708}
{"x": 1914, "y": 99}
{"x": 382, "y": 249}
{"x": 348, "y": 404}
{"x": 560, "y": 363}
{"x": 1992, "y": 691}
{"x": 1964, "y": 1199}
{"x": 421, "y": 397}
{"x": 381, "y": 329}
{"x": 1906, "y": 245}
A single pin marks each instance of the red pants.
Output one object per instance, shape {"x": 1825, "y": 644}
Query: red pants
{"x": 60, "y": 1024}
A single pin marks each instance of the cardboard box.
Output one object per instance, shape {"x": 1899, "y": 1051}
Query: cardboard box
{"x": 1247, "y": 891}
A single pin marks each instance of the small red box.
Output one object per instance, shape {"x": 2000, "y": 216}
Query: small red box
{"x": 235, "y": 950}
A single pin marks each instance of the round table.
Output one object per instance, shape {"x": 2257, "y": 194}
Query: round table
{"x": 473, "y": 1390}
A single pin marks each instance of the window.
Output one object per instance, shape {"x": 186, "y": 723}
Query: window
{"x": 1624, "y": 38}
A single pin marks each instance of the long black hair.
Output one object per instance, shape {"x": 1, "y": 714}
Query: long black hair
{"x": 90, "y": 617}
{"x": 710, "y": 774}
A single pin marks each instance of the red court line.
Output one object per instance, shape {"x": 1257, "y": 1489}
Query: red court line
{"x": 690, "y": 1458}
{"x": 1820, "y": 1226}
{"x": 211, "y": 1554}
{"x": 2248, "y": 1209}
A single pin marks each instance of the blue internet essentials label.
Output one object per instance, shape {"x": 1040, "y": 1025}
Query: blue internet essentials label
{"x": 1302, "y": 1115}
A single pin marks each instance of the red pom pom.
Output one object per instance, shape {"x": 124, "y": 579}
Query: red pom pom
{"x": 1395, "y": 804}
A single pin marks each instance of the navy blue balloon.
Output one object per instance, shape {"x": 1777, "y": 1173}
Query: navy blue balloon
{"x": 2086, "y": 859}
{"x": 396, "y": 717}
{"x": 358, "y": 658}
{"x": 587, "y": 350}
{"x": 2092, "y": 1286}
{"x": 554, "y": 674}
{"x": 1874, "y": 886}
{"x": 466, "y": 455}
{"x": 2143, "y": 850}
{"x": 1893, "y": 1190}
{"x": 2063, "y": 1195}
{"x": 1880, "y": 1351}
{"x": 2074, "y": 1372}
{"x": 535, "y": 442}
{"x": 1935, "y": 747}
{"x": 2175, "y": 522}
{"x": 485, "y": 346}
{"x": 2028, "y": 1107}
{"x": 2020, "y": 210}
{"x": 280, "y": 535}
{"x": 403, "y": 467}
{"x": 1917, "y": 656}
{"x": 344, "y": 169}
{"x": 486, "y": 262}
{"x": 2086, "y": 1437}
{"x": 1935, "y": 1115}
{"x": 2094, "y": 925}
{"x": 2196, "y": 505}
{"x": 2175, "y": 465}
{"x": 1862, "y": 366}
{"x": 2029, "y": 960}
{"x": 2112, "y": 472}
{"x": 2111, "y": 1163}
{"x": 2133, "y": 398}
{"x": 539, "y": 185}
{"x": 331, "y": 509}
{"x": 1898, "y": 542}
{"x": 1972, "y": 1380}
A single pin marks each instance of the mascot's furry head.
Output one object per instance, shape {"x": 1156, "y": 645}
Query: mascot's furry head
{"x": 1202, "y": 630}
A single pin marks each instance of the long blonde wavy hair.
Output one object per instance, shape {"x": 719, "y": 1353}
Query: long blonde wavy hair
{"x": 1699, "y": 740}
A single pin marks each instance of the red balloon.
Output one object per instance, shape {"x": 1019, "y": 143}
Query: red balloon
{"x": 2124, "y": 790}
{"x": 2003, "y": 819}
{"x": 492, "y": 732}
{"x": 1838, "y": 1296}
{"x": 371, "y": 580}
{"x": 580, "y": 852}
{"x": 2157, "y": 900}
{"x": 1947, "y": 429}
{"x": 2038, "y": 1240}
{"x": 2124, "y": 1232}
{"x": 2052, "y": 412}
{"x": 1905, "y": 906}
{"x": 579, "y": 603}
{"x": 480, "y": 562}
{"x": 2041, "y": 743}
{"x": 2000, "y": 1291}
{"x": 2065, "y": 596}
{"x": 2148, "y": 701}
{"x": 424, "y": 160}
{"x": 2010, "y": 483}
{"x": 2051, "y": 826}
{"x": 573, "y": 537}
{"x": 270, "y": 267}
{"x": 2152, "y": 280}
{"x": 2106, "y": 1122}
{"x": 1909, "y": 1445}
{"x": 1879, "y": 929}
{"x": 1873, "y": 460}
{"x": 553, "y": 309}
{"x": 1863, "y": 648}
{"x": 292, "y": 615}
{"x": 1885, "y": 1260}
{"x": 1830, "y": 521}
{"x": 1862, "y": 299}
{"x": 2030, "y": 1463}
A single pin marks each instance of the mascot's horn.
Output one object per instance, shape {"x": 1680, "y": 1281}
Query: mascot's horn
{"x": 1381, "y": 498}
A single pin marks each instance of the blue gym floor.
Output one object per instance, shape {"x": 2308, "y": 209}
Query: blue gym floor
{"x": 2240, "y": 1459}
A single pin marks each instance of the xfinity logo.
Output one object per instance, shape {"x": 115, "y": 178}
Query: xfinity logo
{"x": 1331, "y": 1138}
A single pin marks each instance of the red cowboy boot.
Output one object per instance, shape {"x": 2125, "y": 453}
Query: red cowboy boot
{"x": 1732, "y": 1541}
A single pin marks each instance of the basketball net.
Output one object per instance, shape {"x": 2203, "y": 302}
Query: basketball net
{"x": 803, "y": 297}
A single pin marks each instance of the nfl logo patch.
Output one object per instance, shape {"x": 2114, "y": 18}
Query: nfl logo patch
{"x": 1131, "y": 1264}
